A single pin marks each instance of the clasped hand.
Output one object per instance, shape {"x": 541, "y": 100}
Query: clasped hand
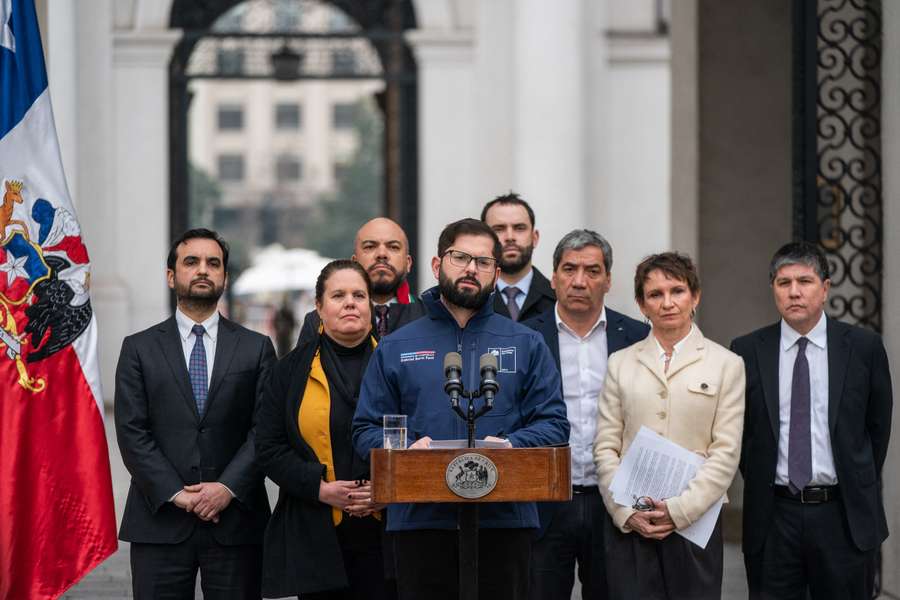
{"x": 206, "y": 500}
{"x": 653, "y": 524}
{"x": 353, "y": 497}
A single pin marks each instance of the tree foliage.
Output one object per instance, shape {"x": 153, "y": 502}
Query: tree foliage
{"x": 359, "y": 189}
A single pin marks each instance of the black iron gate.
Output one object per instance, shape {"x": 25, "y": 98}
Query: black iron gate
{"x": 837, "y": 148}
{"x": 837, "y": 154}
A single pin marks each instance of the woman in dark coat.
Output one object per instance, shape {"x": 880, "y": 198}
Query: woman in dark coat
{"x": 324, "y": 538}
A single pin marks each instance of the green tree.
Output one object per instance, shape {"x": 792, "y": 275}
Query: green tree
{"x": 205, "y": 194}
{"x": 358, "y": 196}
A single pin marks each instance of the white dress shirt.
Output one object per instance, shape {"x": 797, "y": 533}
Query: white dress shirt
{"x": 188, "y": 339}
{"x": 675, "y": 349}
{"x": 823, "y": 471}
{"x": 582, "y": 362}
{"x": 523, "y": 284}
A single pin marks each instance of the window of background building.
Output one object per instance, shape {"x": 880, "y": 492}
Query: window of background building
{"x": 342, "y": 115}
{"x": 288, "y": 168}
{"x": 343, "y": 61}
{"x": 287, "y": 116}
{"x": 231, "y": 117}
{"x": 231, "y": 167}
{"x": 230, "y": 61}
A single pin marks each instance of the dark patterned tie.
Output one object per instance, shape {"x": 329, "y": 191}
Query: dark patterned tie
{"x": 800, "y": 437}
{"x": 381, "y": 319}
{"x": 197, "y": 369}
{"x": 511, "y": 292}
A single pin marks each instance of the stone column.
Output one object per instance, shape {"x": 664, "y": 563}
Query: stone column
{"x": 136, "y": 220}
{"x": 446, "y": 136}
{"x": 550, "y": 99}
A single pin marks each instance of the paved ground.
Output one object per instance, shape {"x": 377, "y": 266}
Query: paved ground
{"x": 112, "y": 578}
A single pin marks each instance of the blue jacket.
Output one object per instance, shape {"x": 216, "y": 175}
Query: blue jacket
{"x": 405, "y": 376}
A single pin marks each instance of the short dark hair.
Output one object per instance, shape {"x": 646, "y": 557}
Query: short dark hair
{"x": 193, "y": 234}
{"x": 510, "y": 198}
{"x": 340, "y": 265}
{"x": 467, "y": 227}
{"x": 579, "y": 239}
{"x": 800, "y": 253}
{"x": 674, "y": 264}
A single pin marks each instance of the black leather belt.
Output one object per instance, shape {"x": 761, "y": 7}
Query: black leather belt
{"x": 809, "y": 495}
{"x": 585, "y": 489}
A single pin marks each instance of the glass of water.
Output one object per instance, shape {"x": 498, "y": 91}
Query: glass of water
{"x": 395, "y": 432}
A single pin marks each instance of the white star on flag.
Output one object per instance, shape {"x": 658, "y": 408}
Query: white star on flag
{"x": 14, "y": 268}
{"x": 6, "y": 35}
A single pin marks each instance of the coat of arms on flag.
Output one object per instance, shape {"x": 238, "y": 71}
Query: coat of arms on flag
{"x": 58, "y": 520}
{"x": 48, "y": 275}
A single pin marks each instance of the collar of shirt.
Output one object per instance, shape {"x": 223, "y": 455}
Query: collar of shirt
{"x": 678, "y": 345}
{"x": 523, "y": 284}
{"x": 561, "y": 325}
{"x": 816, "y": 336}
{"x": 185, "y": 324}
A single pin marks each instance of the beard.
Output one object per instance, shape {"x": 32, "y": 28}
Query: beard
{"x": 193, "y": 296}
{"x": 515, "y": 265}
{"x": 472, "y": 300}
{"x": 383, "y": 284}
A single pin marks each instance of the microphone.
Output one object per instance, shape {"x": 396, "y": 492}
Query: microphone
{"x": 452, "y": 372}
{"x": 489, "y": 386}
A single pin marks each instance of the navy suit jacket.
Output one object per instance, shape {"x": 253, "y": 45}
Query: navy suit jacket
{"x": 621, "y": 332}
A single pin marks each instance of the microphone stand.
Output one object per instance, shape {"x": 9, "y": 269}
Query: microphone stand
{"x": 468, "y": 511}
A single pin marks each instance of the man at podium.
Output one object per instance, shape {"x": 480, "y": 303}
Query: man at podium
{"x": 406, "y": 376}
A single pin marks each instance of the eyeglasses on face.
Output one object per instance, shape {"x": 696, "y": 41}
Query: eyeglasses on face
{"x": 462, "y": 260}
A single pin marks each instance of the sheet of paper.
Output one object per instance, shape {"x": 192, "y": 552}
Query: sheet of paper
{"x": 453, "y": 444}
{"x": 659, "y": 468}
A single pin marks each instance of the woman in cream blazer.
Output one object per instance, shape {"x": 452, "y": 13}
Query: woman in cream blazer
{"x": 690, "y": 390}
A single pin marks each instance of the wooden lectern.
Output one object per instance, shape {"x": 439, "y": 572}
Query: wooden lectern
{"x": 522, "y": 475}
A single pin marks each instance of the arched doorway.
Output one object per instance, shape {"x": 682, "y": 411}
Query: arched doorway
{"x": 368, "y": 46}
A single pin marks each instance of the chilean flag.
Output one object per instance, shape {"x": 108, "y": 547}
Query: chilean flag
{"x": 57, "y": 520}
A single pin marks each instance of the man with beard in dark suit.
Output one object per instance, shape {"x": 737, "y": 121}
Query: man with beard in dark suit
{"x": 816, "y": 429}
{"x": 186, "y": 396}
{"x": 522, "y": 291}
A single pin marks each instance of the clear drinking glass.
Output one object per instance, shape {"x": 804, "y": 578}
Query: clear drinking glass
{"x": 394, "y": 432}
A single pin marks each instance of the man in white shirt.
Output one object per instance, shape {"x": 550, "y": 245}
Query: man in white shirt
{"x": 581, "y": 332}
{"x": 816, "y": 430}
{"x": 522, "y": 292}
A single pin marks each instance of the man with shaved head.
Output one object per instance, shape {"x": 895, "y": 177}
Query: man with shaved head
{"x": 382, "y": 248}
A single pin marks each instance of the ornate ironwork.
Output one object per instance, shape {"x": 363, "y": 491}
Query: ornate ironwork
{"x": 227, "y": 56}
{"x": 840, "y": 195}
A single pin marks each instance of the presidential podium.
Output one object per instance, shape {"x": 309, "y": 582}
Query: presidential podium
{"x": 469, "y": 476}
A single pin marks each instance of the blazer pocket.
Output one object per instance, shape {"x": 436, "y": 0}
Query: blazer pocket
{"x": 702, "y": 387}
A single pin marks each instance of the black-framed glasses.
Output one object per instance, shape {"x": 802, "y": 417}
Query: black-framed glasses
{"x": 462, "y": 260}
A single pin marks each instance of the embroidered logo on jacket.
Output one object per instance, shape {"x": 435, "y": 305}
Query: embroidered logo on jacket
{"x": 416, "y": 356}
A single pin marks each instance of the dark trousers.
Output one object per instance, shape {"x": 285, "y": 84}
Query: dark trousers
{"x": 361, "y": 549}
{"x": 638, "y": 568}
{"x": 169, "y": 571}
{"x": 809, "y": 549}
{"x": 575, "y": 535}
{"x": 428, "y": 564}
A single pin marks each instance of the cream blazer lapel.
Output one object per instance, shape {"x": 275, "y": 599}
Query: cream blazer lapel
{"x": 691, "y": 352}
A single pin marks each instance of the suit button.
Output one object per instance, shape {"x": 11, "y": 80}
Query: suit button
{"x": 202, "y": 430}
{"x": 661, "y": 414}
{"x": 663, "y": 394}
{"x": 195, "y": 468}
